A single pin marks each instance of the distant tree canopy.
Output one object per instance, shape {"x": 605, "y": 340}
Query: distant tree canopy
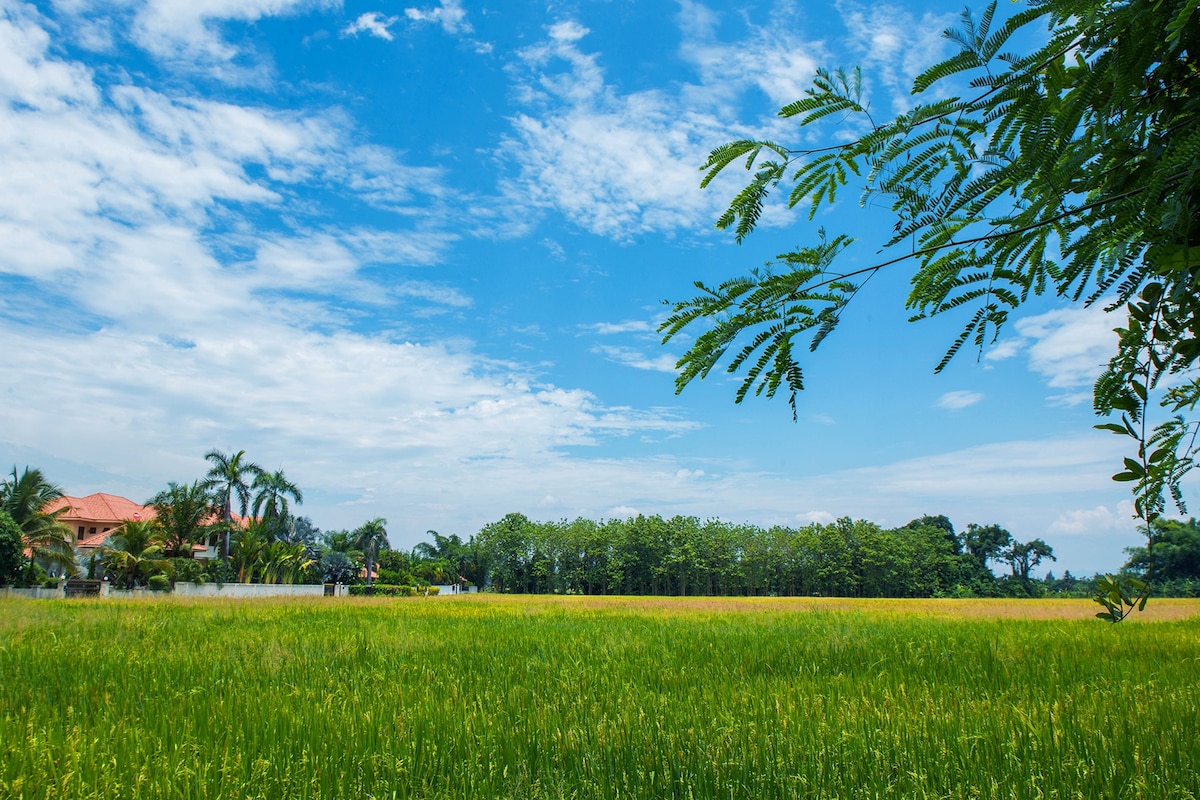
{"x": 1176, "y": 552}
{"x": 1072, "y": 168}
{"x": 684, "y": 556}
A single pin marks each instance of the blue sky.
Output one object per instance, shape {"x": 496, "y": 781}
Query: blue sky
{"x": 415, "y": 255}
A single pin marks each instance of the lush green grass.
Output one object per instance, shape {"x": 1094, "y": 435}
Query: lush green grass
{"x": 503, "y": 697}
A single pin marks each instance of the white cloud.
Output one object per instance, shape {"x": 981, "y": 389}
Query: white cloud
{"x": 623, "y": 164}
{"x": 1005, "y": 348}
{"x": 623, "y": 512}
{"x": 771, "y": 59}
{"x": 188, "y": 34}
{"x": 372, "y": 23}
{"x": 1070, "y": 346}
{"x": 895, "y": 45}
{"x": 631, "y": 357}
{"x": 819, "y": 517}
{"x": 1099, "y": 519}
{"x": 957, "y": 400}
{"x": 629, "y": 326}
{"x": 449, "y": 14}
{"x": 1003, "y": 469}
{"x": 616, "y": 165}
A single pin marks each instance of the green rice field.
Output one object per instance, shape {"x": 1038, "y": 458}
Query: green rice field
{"x": 509, "y": 697}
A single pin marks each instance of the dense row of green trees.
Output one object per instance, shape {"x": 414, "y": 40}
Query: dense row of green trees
{"x": 641, "y": 555}
{"x": 685, "y": 556}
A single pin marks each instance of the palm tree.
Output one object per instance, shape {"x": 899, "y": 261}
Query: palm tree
{"x": 227, "y": 479}
{"x": 135, "y": 551}
{"x": 370, "y": 537}
{"x": 26, "y": 498}
{"x": 249, "y": 545}
{"x": 283, "y": 562}
{"x": 272, "y": 490}
{"x": 182, "y": 512}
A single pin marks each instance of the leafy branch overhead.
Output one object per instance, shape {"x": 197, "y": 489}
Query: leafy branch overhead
{"x": 1073, "y": 168}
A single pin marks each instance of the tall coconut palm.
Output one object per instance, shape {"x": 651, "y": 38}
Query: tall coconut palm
{"x": 183, "y": 512}
{"x": 226, "y": 479}
{"x": 272, "y": 490}
{"x": 27, "y": 498}
{"x": 135, "y": 551}
{"x": 370, "y": 537}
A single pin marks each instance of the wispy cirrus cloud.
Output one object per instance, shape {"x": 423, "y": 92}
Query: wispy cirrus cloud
{"x": 189, "y": 35}
{"x": 633, "y": 357}
{"x": 953, "y": 401}
{"x": 613, "y": 328}
{"x": 622, "y": 165}
{"x": 771, "y": 58}
{"x": 616, "y": 164}
{"x": 895, "y": 45}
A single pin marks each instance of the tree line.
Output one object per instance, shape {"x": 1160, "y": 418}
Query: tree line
{"x": 248, "y": 515}
{"x": 650, "y": 555}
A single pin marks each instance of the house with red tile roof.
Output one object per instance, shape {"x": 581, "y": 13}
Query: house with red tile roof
{"x": 93, "y": 518}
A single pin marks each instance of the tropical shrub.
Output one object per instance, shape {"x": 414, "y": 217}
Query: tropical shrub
{"x": 382, "y": 590}
{"x": 12, "y": 555}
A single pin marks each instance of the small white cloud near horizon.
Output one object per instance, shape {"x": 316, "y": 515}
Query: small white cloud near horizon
{"x": 1099, "y": 519}
{"x": 954, "y": 401}
{"x": 817, "y": 517}
{"x": 372, "y": 23}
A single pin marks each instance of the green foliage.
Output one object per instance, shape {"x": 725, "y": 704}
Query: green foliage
{"x": 27, "y": 498}
{"x": 135, "y": 552}
{"x": 382, "y": 590}
{"x": 337, "y": 567}
{"x": 1176, "y": 553}
{"x": 1120, "y": 595}
{"x": 1073, "y": 168}
{"x": 649, "y": 555}
{"x": 227, "y": 479}
{"x": 371, "y": 538}
{"x": 159, "y": 583}
{"x": 272, "y": 490}
{"x": 12, "y": 547}
{"x": 183, "y": 512}
{"x": 189, "y": 570}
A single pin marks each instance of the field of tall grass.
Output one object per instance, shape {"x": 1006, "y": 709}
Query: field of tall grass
{"x": 500, "y": 697}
